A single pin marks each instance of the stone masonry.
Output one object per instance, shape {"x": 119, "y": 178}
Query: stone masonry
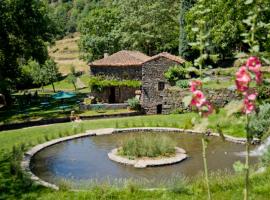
{"x": 152, "y": 76}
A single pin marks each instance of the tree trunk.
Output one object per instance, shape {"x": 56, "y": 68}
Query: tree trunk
{"x": 53, "y": 87}
{"x": 74, "y": 85}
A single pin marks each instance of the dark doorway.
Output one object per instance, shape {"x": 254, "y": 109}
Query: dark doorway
{"x": 112, "y": 95}
{"x": 159, "y": 109}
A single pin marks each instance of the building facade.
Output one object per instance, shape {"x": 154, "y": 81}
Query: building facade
{"x": 154, "y": 83}
{"x": 123, "y": 65}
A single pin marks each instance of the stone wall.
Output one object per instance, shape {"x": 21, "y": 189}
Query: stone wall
{"x": 122, "y": 94}
{"x": 152, "y": 74}
{"x": 172, "y": 98}
{"x": 121, "y": 73}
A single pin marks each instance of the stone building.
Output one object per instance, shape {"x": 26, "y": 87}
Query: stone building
{"x": 154, "y": 83}
{"x": 123, "y": 65}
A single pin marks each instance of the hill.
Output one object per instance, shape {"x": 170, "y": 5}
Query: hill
{"x": 65, "y": 52}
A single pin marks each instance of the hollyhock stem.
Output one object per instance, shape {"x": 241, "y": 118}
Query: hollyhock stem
{"x": 204, "y": 147}
{"x": 246, "y": 189}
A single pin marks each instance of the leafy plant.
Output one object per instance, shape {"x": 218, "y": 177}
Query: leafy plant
{"x": 72, "y": 77}
{"x": 260, "y": 122}
{"x": 98, "y": 83}
{"x": 177, "y": 72}
{"x": 134, "y": 103}
{"x": 182, "y": 83}
{"x": 265, "y": 159}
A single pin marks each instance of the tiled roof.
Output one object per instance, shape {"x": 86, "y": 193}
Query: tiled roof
{"x": 122, "y": 58}
{"x": 168, "y": 56}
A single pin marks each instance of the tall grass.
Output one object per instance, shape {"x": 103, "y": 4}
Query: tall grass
{"x": 148, "y": 145}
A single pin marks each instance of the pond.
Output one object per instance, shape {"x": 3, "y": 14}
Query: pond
{"x": 85, "y": 161}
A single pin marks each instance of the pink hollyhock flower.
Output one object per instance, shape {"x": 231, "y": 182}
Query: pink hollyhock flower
{"x": 252, "y": 96}
{"x": 243, "y": 78}
{"x": 207, "y": 108}
{"x": 198, "y": 99}
{"x": 194, "y": 85}
{"x": 249, "y": 106}
{"x": 258, "y": 77}
{"x": 254, "y": 64}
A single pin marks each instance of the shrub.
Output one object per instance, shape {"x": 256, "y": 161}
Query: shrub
{"x": 265, "y": 159}
{"x": 182, "y": 84}
{"x": 134, "y": 104}
{"x": 260, "y": 122}
{"x": 150, "y": 145}
{"x": 177, "y": 73}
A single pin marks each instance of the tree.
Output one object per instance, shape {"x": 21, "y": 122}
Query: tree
{"x": 185, "y": 5}
{"x": 99, "y": 34}
{"x": 25, "y": 30}
{"x": 50, "y": 72}
{"x": 225, "y": 24}
{"x": 72, "y": 77}
{"x": 149, "y": 26}
{"x": 36, "y": 72}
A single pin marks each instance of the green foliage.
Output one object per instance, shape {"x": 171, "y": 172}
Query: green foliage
{"x": 201, "y": 42}
{"x": 134, "y": 103}
{"x": 25, "y": 31}
{"x": 177, "y": 73}
{"x": 72, "y": 77}
{"x": 224, "y": 23}
{"x": 149, "y": 26}
{"x": 182, "y": 84}
{"x": 259, "y": 123}
{"x": 184, "y": 49}
{"x": 150, "y": 145}
{"x": 130, "y": 24}
{"x": 265, "y": 159}
{"x": 98, "y": 83}
{"x": 99, "y": 34}
{"x": 50, "y": 72}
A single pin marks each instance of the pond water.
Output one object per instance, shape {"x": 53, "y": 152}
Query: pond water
{"x": 85, "y": 160}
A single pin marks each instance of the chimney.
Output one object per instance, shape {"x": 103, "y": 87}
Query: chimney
{"x": 106, "y": 55}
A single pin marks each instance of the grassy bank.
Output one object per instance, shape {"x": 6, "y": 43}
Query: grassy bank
{"x": 13, "y": 185}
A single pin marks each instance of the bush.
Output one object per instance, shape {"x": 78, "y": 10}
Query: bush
{"x": 134, "y": 104}
{"x": 265, "y": 159}
{"x": 150, "y": 145}
{"x": 177, "y": 73}
{"x": 260, "y": 122}
{"x": 182, "y": 84}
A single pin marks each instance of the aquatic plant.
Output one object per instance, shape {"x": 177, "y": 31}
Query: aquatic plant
{"x": 150, "y": 145}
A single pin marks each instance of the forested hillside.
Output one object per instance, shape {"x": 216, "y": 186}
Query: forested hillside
{"x": 29, "y": 27}
{"x": 156, "y": 26}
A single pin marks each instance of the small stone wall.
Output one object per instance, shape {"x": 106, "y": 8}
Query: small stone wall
{"x": 106, "y": 106}
{"x": 172, "y": 98}
{"x": 119, "y": 72}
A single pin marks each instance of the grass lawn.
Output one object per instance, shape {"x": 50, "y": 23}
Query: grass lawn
{"x": 66, "y": 86}
{"x": 22, "y": 111}
{"x": 13, "y": 185}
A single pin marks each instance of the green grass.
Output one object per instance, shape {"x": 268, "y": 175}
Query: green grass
{"x": 66, "y": 86}
{"x": 150, "y": 145}
{"x": 22, "y": 112}
{"x": 14, "y": 185}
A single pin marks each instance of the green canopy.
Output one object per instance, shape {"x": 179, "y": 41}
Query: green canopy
{"x": 63, "y": 95}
